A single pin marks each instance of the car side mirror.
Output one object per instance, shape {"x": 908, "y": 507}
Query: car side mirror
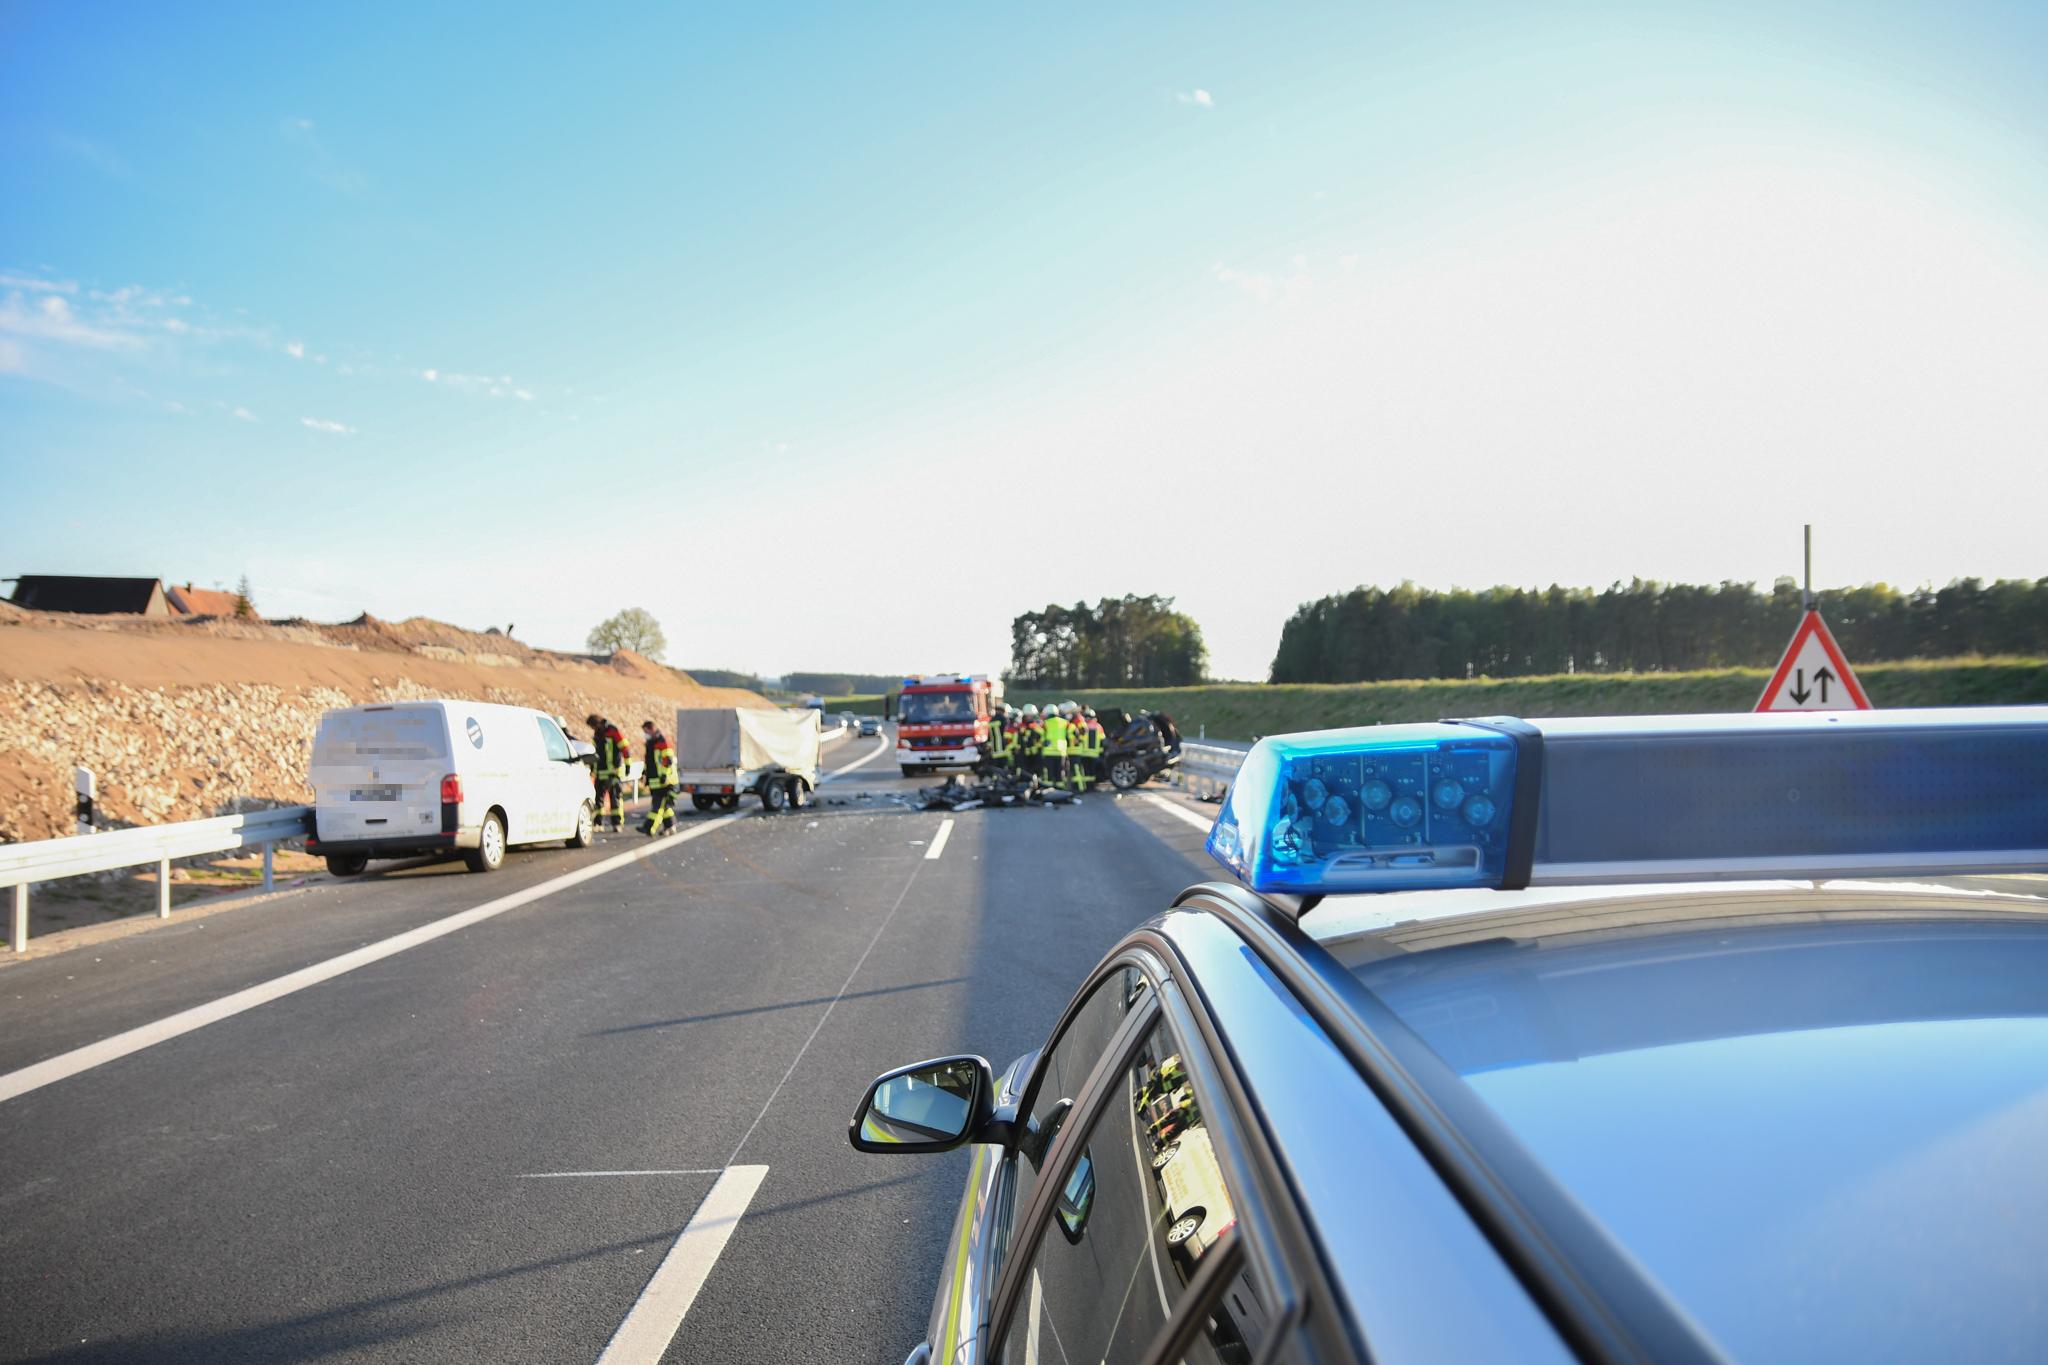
{"x": 932, "y": 1106}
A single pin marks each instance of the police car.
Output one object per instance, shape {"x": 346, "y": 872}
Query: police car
{"x": 1628, "y": 1039}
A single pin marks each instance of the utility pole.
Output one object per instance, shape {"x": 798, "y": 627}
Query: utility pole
{"x": 1806, "y": 600}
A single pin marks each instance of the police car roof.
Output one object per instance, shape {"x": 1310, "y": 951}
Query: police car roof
{"x": 1808, "y": 1114}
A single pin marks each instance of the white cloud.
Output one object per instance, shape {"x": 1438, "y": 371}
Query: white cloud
{"x": 13, "y": 357}
{"x": 242, "y": 414}
{"x": 331, "y": 428}
{"x": 52, "y": 319}
{"x": 295, "y": 349}
{"x": 1197, "y": 97}
{"x": 523, "y": 395}
{"x": 430, "y": 375}
{"x": 37, "y": 286}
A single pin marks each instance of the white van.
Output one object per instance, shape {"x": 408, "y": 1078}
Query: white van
{"x": 398, "y": 779}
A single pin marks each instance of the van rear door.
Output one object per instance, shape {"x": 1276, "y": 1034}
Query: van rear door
{"x": 377, "y": 771}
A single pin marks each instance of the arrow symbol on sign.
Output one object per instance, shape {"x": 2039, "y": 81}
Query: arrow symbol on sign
{"x": 1800, "y": 691}
{"x": 1823, "y": 677}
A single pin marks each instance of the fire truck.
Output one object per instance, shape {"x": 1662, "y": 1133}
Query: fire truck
{"x": 942, "y": 720}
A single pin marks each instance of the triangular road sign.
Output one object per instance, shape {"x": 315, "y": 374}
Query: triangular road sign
{"x": 1813, "y": 675}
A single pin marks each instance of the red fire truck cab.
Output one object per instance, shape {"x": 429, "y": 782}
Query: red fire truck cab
{"x": 942, "y": 720}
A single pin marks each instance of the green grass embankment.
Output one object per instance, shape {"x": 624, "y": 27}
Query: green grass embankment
{"x": 1247, "y": 710}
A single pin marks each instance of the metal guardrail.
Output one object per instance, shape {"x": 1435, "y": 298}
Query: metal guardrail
{"x": 1206, "y": 769}
{"x": 45, "y": 860}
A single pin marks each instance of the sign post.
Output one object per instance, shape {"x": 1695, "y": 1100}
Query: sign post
{"x": 1813, "y": 675}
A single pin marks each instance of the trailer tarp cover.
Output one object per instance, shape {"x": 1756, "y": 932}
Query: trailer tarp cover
{"x": 747, "y": 738}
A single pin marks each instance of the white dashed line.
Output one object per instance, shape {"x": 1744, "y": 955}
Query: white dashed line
{"x": 931, "y": 855}
{"x": 644, "y": 1337}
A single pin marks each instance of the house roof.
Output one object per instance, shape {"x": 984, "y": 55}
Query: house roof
{"x": 98, "y": 596}
{"x": 191, "y": 601}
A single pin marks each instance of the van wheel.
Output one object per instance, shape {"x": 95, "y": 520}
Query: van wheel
{"x": 1184, "y": 1227}
{"x": 701, "y": 801}
{"x": 1125, "y": 774}
{"x": 489, "y": 853}
{"x": 774, "y": 795}
{"x": 347, "y": 864}
{"x": 586, "y": 828}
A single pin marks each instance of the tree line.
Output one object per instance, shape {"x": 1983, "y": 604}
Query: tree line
{"x": 1127, "y": 641}
{"x": 1374, "y": 634}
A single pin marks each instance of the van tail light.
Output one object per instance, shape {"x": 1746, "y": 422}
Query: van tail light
{"x": 451, "y": 790}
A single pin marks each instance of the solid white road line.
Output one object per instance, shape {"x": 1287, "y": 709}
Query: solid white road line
{"x": 881, "y": 747}
{"x": 931, "y": 855}
{"x": 1181, "y": 813}
{"x": 580, "y": 1175}
{"x": 644, "y": 1337}
{"x": 18, "y": 1083}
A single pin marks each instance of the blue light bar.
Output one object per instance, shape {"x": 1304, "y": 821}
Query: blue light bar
{"x": 1504, "y": 803}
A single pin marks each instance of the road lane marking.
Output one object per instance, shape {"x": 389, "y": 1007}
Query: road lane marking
{"x": 931, "y": 855}
{"x": 819, "y": 1027}
{"x": 15, "y": 1084}
{"x": 881, "y": 746}
{"x": 657, "y": 1315}
{"x": 1180, "y": 812}
{"x": 581, "y": 1175}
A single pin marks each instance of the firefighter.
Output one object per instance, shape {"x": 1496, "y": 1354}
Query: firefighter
{"x": 1098, "y": 742}
{"x": 998, "y": 753}
{"x": 660, "y": 766}
{"x": 610, "y": 771}
{"x": 1053, "y": 748}
{"x": 1077, "y": 745}
{"x": 1030, "y": 741}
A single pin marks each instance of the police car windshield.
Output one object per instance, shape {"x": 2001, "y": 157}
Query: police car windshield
{"x": 1821, "y": 1135}
{"x": 920, "y": 708}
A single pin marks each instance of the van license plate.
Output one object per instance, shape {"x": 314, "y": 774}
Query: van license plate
{"x": 374, "y": 793}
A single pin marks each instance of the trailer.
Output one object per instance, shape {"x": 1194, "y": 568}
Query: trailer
{"x": 726, "y": 752}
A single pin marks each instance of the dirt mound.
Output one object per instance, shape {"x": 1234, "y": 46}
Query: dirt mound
{"x": 181, "y": 720}
{"x": 627, "y": 664}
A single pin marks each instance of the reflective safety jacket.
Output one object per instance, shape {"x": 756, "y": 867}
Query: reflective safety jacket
{"x": 1098, "y": 739}
{"x": 660, "y": 761}
{"x": 611, "y": 750}
{"x": 1030, "y": 737}
{"x": 998, "y": 743}
{"x": 1055, "y": 735}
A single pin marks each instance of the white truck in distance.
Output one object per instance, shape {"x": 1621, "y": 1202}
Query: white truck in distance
{"x": 399, "y": 779}
{"x": 726, "y": 752}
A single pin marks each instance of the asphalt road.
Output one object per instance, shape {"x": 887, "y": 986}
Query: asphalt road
{"x": 394, "y": 1163}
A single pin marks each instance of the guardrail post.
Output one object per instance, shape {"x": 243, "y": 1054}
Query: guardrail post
{"x": 17, "y": 932}
{"x": 269, "y": 880}
{"x": 163, "y": 888}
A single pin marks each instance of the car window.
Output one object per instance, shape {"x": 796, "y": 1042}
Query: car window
{"x": 1140, "y": 1205}
{"x": 1063, "y": 1070}
{"x": 551, "y": 735}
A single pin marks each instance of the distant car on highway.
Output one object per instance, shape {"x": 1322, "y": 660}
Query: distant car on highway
{"x": 399, "y": 779}
{"x": 870, "y": 726}
{"x": 1572, "y": 1090}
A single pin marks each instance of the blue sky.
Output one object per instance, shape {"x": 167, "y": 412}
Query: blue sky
{"x": 836, "y": 336}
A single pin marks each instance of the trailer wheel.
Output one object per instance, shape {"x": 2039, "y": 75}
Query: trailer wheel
{"x": 775, "y": 795}
{"x": 799, "y": 793}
